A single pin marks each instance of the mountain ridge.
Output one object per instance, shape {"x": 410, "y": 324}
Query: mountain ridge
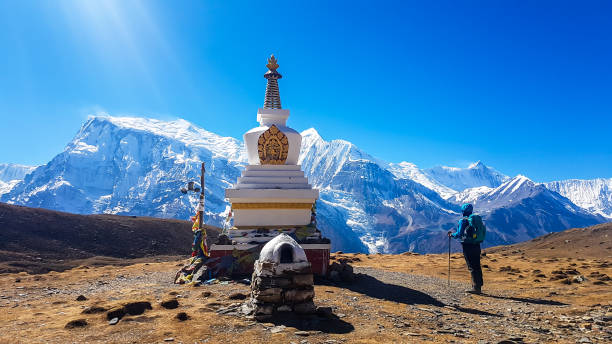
{"x": 134, "y": 166}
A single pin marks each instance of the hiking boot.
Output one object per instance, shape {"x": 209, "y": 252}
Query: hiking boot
{"x": 475, "y": 290}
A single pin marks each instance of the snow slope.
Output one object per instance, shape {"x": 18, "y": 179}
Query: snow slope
{"x": 594, "y": 195}
{"x": 459, "y": 179}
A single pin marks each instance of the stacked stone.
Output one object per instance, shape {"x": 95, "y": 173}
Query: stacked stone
{"x": 282, "y": 288}
{"x": 282, "y": 280}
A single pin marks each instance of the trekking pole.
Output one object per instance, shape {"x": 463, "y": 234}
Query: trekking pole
{"x": 449, "y": 243}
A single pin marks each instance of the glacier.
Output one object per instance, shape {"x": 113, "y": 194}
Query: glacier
{"x": 135, "y": 166}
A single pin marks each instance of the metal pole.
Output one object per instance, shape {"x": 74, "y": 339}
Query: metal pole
{"x": 449, "y": 244}
{"x": 202, "y": 197}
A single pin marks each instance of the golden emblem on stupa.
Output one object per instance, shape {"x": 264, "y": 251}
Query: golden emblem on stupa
{"x": 273, "y": 147}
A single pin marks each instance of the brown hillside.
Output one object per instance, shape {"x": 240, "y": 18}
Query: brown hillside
{"x": 589, "y": 242}
{"x": 40, "y": 240}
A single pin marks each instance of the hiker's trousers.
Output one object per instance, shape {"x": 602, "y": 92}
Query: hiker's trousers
{"x": 471, "y": 252}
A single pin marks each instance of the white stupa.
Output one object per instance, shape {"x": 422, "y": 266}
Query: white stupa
{"x": 272, "y": 197}
{"x": 272, "y": 191}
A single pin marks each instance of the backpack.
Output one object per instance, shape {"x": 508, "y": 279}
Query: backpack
{"x": 476, "y": 231}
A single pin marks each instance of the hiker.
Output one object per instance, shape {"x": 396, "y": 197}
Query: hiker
{"x": 471, "y": 232}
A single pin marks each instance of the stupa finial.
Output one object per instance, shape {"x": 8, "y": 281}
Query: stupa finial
{"x": 272, "y": 100}
{"x": 272, "y": 64}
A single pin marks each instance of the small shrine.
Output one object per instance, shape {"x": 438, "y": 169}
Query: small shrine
{"x": 282, "y": 280}
{"x": 272, "y": 196}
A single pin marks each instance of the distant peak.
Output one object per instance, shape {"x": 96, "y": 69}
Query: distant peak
{"x": 311, "y": 132}
{"x": 519, "y": 180}
{"x": 477, "y": 164}
{"x": 406, "y": 164}
{"x": 521, "y": 177}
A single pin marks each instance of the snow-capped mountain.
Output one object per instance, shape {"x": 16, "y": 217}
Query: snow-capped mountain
{"x": 381, "y": 209}
{"x": 135, "y": 166}
{"x": 11, "y": 174}
{"x": 595, "y": 195}
{"x": 520, "y": 209}
{"x": 459, "y": 179}
{"x": 407, "y": 170}
{"x": 469, "y": 195}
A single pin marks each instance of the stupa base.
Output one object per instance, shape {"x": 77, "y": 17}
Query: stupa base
{"x": 238, "y": 259}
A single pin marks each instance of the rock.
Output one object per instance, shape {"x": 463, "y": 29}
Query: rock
{"x": 299, "y": 295}
{"x": 17, "y": 280}
{"x": 170, "y": 304}
{"x": 264, "y": 282}
{"x": 445, "y": 331}
{"x": 412, "y": 334}
{"x": 584, "y": 340}
{"x": 237, "y": 296}
{"x": 272, "y": 298}
{"x": 231, "y": 309}
{"x": 113, "y": 321}
{"x": 269, "y": 291}
{"x": 302, "y": 333}
{"x": 76, "y": 323}
{"x": 206, "y": 294}
{"x": 182, "y": 316}
{"x": 264, "y": 310}
{"x": 170, "y": 339}
{"x": 303, "y": 280}
{"x": 334, "y": 276}
{"x": 341, "y": 315}
{"x": 81, "y": 298}
{"x": 578, "y": 279}
{"x": 277, "y": 329}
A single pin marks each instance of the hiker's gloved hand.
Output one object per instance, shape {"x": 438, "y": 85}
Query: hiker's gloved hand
{"x": 450, "y": 233}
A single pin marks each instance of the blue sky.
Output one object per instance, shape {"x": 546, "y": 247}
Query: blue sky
{"x": 526, "y": 87}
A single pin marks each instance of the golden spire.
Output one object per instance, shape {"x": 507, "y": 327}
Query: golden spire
{"x": 272, "y": 65}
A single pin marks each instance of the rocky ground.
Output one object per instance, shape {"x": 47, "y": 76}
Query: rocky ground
{"x": 528, "y": 298}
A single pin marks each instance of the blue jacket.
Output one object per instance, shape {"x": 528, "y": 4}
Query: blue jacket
{"x": 463, "y": 224}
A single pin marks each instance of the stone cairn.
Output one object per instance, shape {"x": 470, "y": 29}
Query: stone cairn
{"x": 282, "y": 280}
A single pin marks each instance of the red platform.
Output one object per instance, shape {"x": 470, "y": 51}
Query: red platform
{"x": 238, "y": 259}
